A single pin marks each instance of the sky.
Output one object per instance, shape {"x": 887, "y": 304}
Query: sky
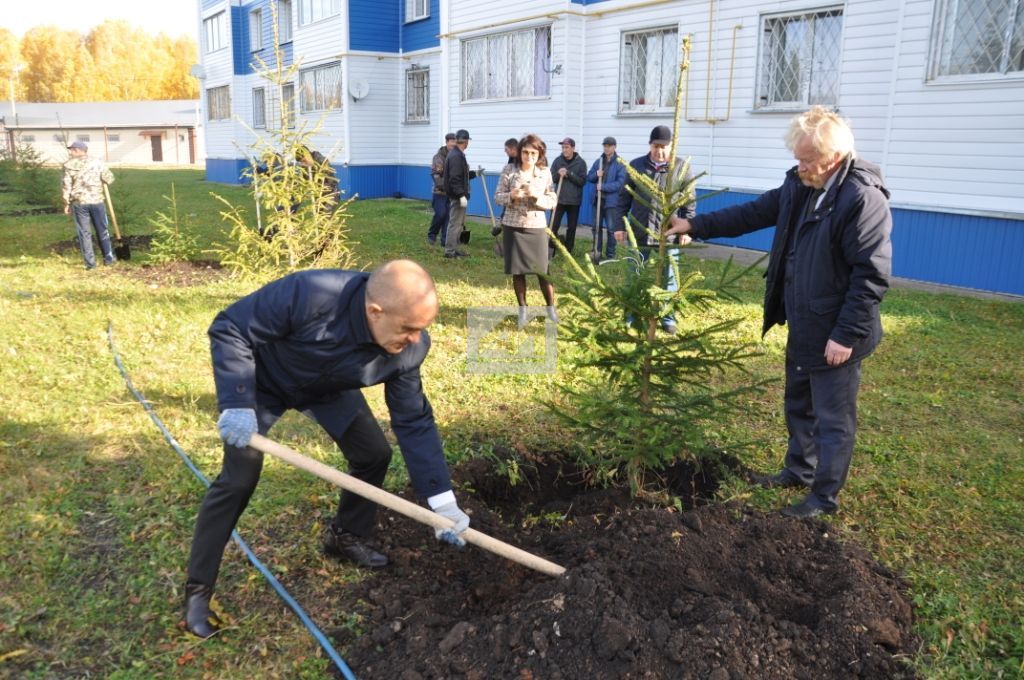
{"x": 173, "y": 17}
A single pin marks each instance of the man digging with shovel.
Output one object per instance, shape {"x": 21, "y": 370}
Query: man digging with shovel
{"x": 310, "y": 342}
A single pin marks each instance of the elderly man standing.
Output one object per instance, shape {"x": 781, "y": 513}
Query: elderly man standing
{"x": 830, "y": 264}
{"x": 310, "y": 342}
{"x": 82, "y": 190}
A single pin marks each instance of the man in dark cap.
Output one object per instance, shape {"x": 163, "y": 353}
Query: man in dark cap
{"x": 456, "y": 185}
{"x": 655, "y": 165}
{"x": 569, "y": 172}
{"x": 439, "y": 224}
{"x": 610, "y": 176}
{"x": 82, "y": 183}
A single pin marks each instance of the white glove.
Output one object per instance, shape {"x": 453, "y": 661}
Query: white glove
{"x": 444, "y": 504}
{"x": 479, "y": 170}
{"x": 463, "y": 202}
{"x": 237, "y": 426}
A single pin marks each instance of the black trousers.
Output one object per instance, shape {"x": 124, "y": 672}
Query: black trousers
{"x": 572, "y": 213}
{"x": 349, "y": 422}
{"x": 821, "y": 415}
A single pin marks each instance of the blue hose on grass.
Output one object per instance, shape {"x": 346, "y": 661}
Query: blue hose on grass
{"x": 280, "y": 589}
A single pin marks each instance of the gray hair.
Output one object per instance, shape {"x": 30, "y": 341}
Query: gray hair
{"x": 829, "y": 133}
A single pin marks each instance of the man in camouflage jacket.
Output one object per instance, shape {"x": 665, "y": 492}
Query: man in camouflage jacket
{"x": 82, "y": 188}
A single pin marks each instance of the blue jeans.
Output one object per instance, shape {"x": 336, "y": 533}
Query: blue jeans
{"x": 606, "y": 222}
{"x": 88, "y": 217}
{"x": 671, "y": 284}
{"x": 439, "y": 223}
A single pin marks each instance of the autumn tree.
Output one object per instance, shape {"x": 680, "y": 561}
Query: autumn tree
{"x": 57, "y": 66}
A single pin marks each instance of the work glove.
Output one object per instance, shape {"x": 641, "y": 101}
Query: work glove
{"x": 444, "y": 504}
{"x": 237, "y": 426}
{"x": 479, "y": 171}
{"x": 463, "y": 202}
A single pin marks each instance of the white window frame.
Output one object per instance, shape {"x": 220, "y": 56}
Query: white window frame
{"x": 259, "y": 107}
{"x": 945, "y": 33}
{"x": 218, "y": 102}
{"x": 417, "y": 96}
{"x": 415, "y": 10}
{"x": 288, "y": 100}
{"x": 312, "y": 11}
{"x": 760, "y": 103}
{"x": 215, "y": 35}
{"x": 315, "y": 95}
{"x": 256, "y": 30}
{"x": 481, "y": 53}
{"x": 284, "y": 21}
{"x": 668, "y": 76}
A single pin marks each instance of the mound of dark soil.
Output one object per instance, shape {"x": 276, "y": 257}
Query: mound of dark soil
{"x": 719, "y": 592}
{"x": 192, "y": 273}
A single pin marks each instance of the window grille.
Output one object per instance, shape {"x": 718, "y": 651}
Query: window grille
{"x": 320, "y": 88}
{"x": 82, "y": 138}
{"x": 416, "y": 10}
{"x": 284, "y": 21}
{"x": 800, "y": 56}
{"x": 977, "y": 37}
{"x": 259, "y": 108}
{"x": 214, "y": 32}
{"x": 507, "y": 65}
{"x": 648, "y": 70}
{"x": 114, "y": 138}
{"x": 315, "y": 10}
{"x": 218, "y": 103}
{"x": 256, "y": 30}
{"x": 417, "y": 95}
{"x": 288, "y": 104}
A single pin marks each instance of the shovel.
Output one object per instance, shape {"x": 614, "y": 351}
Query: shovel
{"x": 402, "y": 506}
{"x": 595, "y": 254}
{"x": 122, "y": 250}
{"x": 499, "y": 249}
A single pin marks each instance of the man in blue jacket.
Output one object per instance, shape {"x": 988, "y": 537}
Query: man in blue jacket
{"x": 310, "y": 342}
{"x": 610, "y": 176}
{"x": 829, "y": 266}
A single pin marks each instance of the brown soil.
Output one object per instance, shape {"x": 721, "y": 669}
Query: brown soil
{"x": 718, "y": 592}
{"x": 193, "y": 273}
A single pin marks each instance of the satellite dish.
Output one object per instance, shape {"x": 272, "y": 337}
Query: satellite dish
{"x": 198, "y": 72}
{"x": 358, "y": 88}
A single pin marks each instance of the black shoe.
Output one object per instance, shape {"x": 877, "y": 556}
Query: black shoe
{"x": 495, "y": 231}
{"x": 457, "y": 254}
{"x": 780, "y": 480}
{"x": 806, "y": 509}
{"x": 350, "y": 547}
{"x": 199, "y": 620}
{"x": 431, "y": 240}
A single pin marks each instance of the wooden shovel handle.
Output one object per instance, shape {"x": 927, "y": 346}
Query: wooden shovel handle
{"x": 402, "y": 506}
{"x": 110, "y": 207}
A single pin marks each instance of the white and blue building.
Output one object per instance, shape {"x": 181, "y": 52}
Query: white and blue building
{"x": 934, "y": 90}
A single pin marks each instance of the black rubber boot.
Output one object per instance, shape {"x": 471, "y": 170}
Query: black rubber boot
{"x": 199, "y": 620}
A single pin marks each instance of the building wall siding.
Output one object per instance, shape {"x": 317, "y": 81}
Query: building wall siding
{"x": 374, "y": 25}
{"x": 422, "y": 34}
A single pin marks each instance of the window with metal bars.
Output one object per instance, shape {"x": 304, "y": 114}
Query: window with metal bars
{"x": 507, "y": 65}
{"x": 647, "y": 73}
{"x": 799, "y": 60}
{"x": 320, "y": 88}
{"x": 416, "y": 10}
{"x": 256, "y": 30}
{"x": 218, "y": 103}
{"x": 287, "y": 110}
{"x": 977, "y": 37}
{"x": 417, "y": 95}
{"x": 259, "y": 107}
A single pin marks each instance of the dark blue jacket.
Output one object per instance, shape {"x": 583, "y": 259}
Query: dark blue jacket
{"x": 842, "y": 258}
{"x": 304, "y": 339}
{"x": 614, "y": 179}
{"x": 456, "y": 174}
{"x": 627, "y": 205}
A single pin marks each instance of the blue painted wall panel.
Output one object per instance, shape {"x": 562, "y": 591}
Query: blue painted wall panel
{"x": 374, "y": 25}
{"x": 422, "y": 34}
{"x": 225, "y": 170}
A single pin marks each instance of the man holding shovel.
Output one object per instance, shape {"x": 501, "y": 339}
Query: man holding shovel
{"x": 82, "y": 190}
{"x": 610, "y": 176}
{"x": 310, "y": 342}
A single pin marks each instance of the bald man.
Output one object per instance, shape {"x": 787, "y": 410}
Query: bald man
{"x": 310, "y": 342}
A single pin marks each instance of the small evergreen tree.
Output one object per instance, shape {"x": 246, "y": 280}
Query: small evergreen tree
{"x": 171, "y": 242}
{"x": 640, "y": 400}
{"x": 298, "y": 224}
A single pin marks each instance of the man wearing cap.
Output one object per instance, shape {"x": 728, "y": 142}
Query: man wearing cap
{"x": 456, "y": 186}
{"x": 610, "y": 176}
{"x": 439, "y": 224}
{"x": 82, "y": 183}
{"x": 654, "y": 165}
{"x": 569, "y": 173}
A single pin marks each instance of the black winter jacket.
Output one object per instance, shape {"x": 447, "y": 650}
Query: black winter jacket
{"x": 628, "y": 205}
{"x": 304, "y": 339}
{"x": 457, "y": 174}
{"x": 842, "y": 258}
{"x": 575, "y": 178}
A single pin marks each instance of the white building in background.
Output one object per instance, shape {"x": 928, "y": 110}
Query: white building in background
{"x": 934, "y": 90}
{"x": 121, "y": 133}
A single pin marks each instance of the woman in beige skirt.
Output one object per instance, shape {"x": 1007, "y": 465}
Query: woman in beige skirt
{"x": 525, "y": 191}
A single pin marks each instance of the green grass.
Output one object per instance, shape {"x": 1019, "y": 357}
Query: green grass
{"x": 99, "y": 509}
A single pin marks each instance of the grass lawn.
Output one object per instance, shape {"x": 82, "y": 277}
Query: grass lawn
{"x": 98, "y": 509}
